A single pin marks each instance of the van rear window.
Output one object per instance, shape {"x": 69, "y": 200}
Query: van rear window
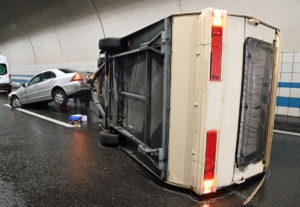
{"x": 3, "y": 69}
{"x": 255, "y": 103}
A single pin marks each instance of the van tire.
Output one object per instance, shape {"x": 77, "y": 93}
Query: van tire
{"x": 60, "y": 97}
{"x": 108, "y": 139}
{"x": 110, "y": 43}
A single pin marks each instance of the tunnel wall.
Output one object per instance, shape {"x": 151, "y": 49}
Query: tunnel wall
{"x": 41, "y": 34}
{"x": 288, "y": 92}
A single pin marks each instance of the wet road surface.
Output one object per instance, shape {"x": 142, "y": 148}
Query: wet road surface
{"x": 45, "y": 164}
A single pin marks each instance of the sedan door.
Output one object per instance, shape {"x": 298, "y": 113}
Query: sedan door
{"x": 45, "y": 86}
{"x": 32, "y": 89}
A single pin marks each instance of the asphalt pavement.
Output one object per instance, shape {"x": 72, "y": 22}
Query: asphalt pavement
{"x": 46, "y": 164}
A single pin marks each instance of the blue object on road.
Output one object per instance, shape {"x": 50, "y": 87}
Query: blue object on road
{"x": 76, "y": 117}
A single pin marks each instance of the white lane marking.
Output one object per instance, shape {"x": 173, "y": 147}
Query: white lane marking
{"x": 42, "y": 117}
{"x": 286, "y": 132}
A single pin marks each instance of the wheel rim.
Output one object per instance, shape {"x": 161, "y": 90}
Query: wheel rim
{"x": 59, "y": 98}
{"x": 16, "y": 102}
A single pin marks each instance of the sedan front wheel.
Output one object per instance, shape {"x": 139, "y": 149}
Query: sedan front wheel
{"x": 15, "y": 102}
{"x": 60, "y": 97}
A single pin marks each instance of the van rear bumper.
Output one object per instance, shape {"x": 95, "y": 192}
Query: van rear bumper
{"x": 5, "y": 86}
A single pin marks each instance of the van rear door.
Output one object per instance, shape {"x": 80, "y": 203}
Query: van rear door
{"x": 256, "y": 94}
{"x": 4, "y": 76}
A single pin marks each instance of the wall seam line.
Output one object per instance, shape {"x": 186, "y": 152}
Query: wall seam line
{"x": 99, "y": 17}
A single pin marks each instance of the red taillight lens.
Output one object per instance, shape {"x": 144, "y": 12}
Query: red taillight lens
{"x": 216, "y": 46}
{"x": 210, "y": 158}
{"x": 77, "y": 77}
{"x": 9, "y": 78}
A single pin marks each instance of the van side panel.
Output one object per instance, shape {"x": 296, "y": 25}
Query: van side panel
{"x": 273, "y": 100}
{"x": 229, "y": 114}
{"x": 267, "y": 34}
{"x": 183, "y": 66}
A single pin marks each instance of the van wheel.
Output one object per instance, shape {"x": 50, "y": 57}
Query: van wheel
{"x": 108, "y": 139}
{"x": 15, "y": 102}
{"x": 110, "y": 43}
{"x": 60, "y": 97}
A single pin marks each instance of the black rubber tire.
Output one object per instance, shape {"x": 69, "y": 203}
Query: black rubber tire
{"x": 12, "y": 100}
{"x": 108, "y": 139}
{"x": 110, "y": 43}
{"x": 64, "y": 98}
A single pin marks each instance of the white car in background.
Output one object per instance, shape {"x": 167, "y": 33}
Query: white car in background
{"x": 56, "y": 85}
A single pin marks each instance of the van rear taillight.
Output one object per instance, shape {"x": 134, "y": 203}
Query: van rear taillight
{"x": 77, "y": 77}
{"x": 217, "y": 19}
{"x": 216, "y": 46}
{"x": 210, "y": 158}
{"x": 9, "y": 79}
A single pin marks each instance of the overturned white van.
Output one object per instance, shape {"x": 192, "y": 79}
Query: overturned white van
{"x": 194, "y": 95}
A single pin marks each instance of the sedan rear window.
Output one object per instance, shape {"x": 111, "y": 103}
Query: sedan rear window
{"x": 3, "y": 69}
{"x": 48, "y": 75}
{"x": 67, "y": 70}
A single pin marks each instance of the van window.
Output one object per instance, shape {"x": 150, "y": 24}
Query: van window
{"x": 255, "y": 103}
{"x": 3, "y": 69}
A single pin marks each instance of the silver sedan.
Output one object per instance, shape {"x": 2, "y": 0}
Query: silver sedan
{"x": 56, "y": 85}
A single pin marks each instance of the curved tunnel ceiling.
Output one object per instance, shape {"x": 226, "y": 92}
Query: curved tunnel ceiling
{"x": 41, "y": 32}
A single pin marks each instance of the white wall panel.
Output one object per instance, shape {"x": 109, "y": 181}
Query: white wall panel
{"x": 296, "y": 77}
{"x": 296, "y": 68}
{"x": 284, "y": 92}
{"x": 287, "y": 67}
{"x": 295, "y": 92}
{"x": 297, "y": 58}
{"x": 282, "y": 110}
{"x": 293, "y": 111}
{"x": 287, "y": 57}
{"x": 289, "y": 85}
{"x": 285, "y": 77}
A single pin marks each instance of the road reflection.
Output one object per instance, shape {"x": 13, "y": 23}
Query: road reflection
{"x": 79, "y": 157}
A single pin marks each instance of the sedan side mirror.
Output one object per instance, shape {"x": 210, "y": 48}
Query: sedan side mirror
{"x": 23, "y": 84}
